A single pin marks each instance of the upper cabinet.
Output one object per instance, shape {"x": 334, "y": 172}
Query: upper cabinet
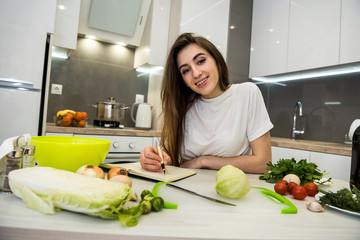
{"x": 314, "y": 34}
{"x": 296, "y": 35}
{"x": 207, "y": 18}
{"x": 23, "y": 28}
{"x": 350, "y": 31}
{"x": 114, "y": 21}
{"x": 269, "y": 37}
{"x": 66, "y": 23}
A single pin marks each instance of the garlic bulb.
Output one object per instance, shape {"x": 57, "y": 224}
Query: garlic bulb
{"x": 315, "y": 207}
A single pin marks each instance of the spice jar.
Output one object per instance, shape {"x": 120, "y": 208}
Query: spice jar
{"x": 28, "y": 157}
{"x": 11, "y": 161}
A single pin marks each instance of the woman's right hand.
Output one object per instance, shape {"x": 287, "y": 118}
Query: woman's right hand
{"x": 150, "y": 159}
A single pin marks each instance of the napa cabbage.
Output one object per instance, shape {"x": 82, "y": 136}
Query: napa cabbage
{"x": 48, "y": 190}
{"x": 232, "y": 182}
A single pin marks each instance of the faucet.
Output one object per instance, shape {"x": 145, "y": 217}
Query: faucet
{"x": 294, "y": 131}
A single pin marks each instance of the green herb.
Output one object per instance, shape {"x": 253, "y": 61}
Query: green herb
{"x": 307, "y": 172}
{"x": 343, "y": 198}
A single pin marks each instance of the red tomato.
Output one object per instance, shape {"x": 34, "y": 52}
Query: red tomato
{"x": 299, "y": 192}
{"x": 283, "y": 181}
{"x": 280, "y": 188}
{"x": 290, "y": 186}
{"x": 311, "y": 188}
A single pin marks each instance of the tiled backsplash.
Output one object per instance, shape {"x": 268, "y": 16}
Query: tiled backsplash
{"x": 330, "y": 104}
{"x": 94, "y": 72}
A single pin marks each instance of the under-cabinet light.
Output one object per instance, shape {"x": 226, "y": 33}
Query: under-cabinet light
{"x": 311, "y": 74}
{"x": 332, "y": 103}
{"x": 149, "y": 69}
{"x": 56, "y": 55}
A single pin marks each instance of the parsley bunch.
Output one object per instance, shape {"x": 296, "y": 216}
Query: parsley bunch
{"x": 307, "y": 172}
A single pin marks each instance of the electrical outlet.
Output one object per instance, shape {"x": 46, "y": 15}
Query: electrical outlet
{"x": 56, "y": 89}
{"x": 139, "y": 98}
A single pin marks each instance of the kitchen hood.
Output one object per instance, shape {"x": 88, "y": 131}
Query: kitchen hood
{"x": 150, "y": 56}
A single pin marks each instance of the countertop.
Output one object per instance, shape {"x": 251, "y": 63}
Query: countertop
{"x": 316, "y": 146}
{"x": 90, "y": 129}
{"x": 195, "y": 218}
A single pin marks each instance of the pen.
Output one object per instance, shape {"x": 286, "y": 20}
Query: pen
{"x": 162, "y": 159}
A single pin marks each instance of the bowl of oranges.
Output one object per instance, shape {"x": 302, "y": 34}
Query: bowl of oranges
{"x": 70, "y": 118}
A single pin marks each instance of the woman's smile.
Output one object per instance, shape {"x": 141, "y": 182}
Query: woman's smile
{"x": 201, "y": 83}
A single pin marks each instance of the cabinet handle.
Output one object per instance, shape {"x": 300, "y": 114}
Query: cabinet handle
{"x": 141, "y": 18}
{"x": 132, "y": 145}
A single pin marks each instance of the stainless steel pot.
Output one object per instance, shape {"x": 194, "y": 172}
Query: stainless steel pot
{"x": 110, "y": 110}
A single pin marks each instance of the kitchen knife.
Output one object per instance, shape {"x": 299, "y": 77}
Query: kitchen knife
{"x": 199, "y": 195}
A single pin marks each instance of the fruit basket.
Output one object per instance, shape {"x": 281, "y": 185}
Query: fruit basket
{"x": 70, "y": 118}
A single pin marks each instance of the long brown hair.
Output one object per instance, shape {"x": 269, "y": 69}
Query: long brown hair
{"x": 177, "y": 97}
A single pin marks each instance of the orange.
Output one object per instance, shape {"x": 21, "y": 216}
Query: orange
{"x": 77, "y": 116}
{"x": 84, "y": 115}
{"x": 82, "y": 123}
{"x": 66, "y": 121}
{"x": 69, "y": 115}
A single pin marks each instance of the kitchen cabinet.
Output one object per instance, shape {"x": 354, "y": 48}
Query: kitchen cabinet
{"x": 66, "y": 23}
{"x": 297, "y": 35}
{"x": 106, "y": 35}
{"x": 338, "y": 166}
{"x": 288, "y": 153}
{"x": 207, "y": 18}
{"x": 269, "y": 37}
{"x": 24, "y": 27}
{"x": 350, "y": 31}
{"x": 314, "y": 34}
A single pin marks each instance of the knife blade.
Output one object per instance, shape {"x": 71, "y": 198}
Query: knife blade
{"x": 199, "y": 195}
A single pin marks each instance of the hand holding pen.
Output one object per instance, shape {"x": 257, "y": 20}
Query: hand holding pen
{"x": 151, "y": 160}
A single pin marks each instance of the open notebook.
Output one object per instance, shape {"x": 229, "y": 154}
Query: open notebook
{"x": 172, "y": 173}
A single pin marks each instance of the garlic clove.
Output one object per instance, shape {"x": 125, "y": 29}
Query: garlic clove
{"x": 315, "y": 207}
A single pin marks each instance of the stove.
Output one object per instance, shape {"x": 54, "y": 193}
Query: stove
{"x": 107, "y": 124}
{"x": 124, "y": 148}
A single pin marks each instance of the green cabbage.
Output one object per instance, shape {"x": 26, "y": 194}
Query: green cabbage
{"x": 231, "y": 182}
{"x": 48, "y": 190}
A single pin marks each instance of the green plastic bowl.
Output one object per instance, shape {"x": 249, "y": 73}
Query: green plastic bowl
{"x": 69, "y": 153}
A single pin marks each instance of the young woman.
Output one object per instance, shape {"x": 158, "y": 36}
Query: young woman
{"x": 209, "y": 122}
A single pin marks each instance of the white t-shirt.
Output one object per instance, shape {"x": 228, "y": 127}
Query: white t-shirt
{"x": 224, "y": 126}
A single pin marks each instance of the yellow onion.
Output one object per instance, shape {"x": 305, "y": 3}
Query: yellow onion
{"x": 231, "y": 182}
{"x": 91, "y": 171}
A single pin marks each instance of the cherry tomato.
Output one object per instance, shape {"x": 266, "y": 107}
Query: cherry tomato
{"x": 299, "y": 192}
{"x": 311, "y": 188}
{"x": 283, "y": 181}
{"x": 280, "y": 188}
{"x": 290, "y": 186}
